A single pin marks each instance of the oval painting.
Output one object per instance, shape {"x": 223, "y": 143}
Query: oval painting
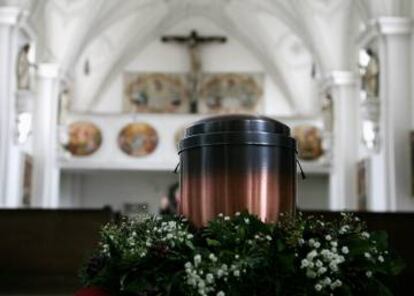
{"x": 84, "y": 138}
{"x": 309, "y": 142}
{"x": 138, "y": 139}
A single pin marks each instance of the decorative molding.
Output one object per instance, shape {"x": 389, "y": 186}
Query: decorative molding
{"x": 26, "y": 26}
{"x": 9, "y": 15}
{"x": 384, "y": 26}
{"x": 48, "y": 70}
{"x": 368, "y": 35}
{"x": 394, "y": 25}
{"x": 335, "y": 78}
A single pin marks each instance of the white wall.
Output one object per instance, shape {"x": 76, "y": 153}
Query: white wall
{"x": 123, "y": 179}
{"x": 228, "y": 57}
{"x": 114, "y": 188}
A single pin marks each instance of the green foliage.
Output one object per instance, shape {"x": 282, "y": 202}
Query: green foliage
{"x": 241, "y": 255}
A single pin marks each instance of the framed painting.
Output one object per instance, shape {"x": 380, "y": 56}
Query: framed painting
{"x": 155, "y": 93}
{"x": 84, "y": 139}
{"x": 223, "y": 93}
{"x": 138, "y": 139}
{"x": 309, "y": 141}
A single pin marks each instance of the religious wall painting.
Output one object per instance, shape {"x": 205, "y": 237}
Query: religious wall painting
{"x": 155, "y": 93}
{"x": 23, "y": 68}
{"x": 309, "y": 142}
{"x": 138, "y": 139}
{"x": 223, "y": 93}
{"x": 84, "y": 139}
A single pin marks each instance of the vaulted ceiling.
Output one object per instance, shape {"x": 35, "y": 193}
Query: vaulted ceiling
{"x": 320, "y": 32}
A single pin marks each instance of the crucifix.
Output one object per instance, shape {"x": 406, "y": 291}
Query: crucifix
{"x": 193, "y": 43}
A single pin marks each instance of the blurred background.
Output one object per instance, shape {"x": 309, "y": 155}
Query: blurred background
{"x": 95, "y": 95}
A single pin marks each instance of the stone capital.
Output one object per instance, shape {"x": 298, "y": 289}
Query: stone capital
{"x": 9, "y": 15}
{"x": 48, "y": 70}
{"x": 339, "y": 78}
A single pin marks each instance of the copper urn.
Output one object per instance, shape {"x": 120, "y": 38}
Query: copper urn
{"x": 235, "y": 163}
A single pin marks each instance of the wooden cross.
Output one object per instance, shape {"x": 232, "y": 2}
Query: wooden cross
{"x": 193, "y": 43}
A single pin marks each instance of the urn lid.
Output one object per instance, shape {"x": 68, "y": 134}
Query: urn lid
{"x": 237, "y": 123}
{"x": 237, "y": 129}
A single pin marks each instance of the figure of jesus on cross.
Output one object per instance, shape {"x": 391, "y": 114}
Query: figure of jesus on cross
{"x": 193, "y": 43}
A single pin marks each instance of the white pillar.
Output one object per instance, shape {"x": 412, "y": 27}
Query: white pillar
{"x": 391, "y": 167}
{"x": 345, "y": 139}
{"x": 9, "y": 152}
{"x": 45, "y": 150}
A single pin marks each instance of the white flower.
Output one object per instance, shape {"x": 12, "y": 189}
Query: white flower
{"x": 344, "y": 229}
{"x": 367, "y": 255}
{"x": 236, "y": 256}
{"x": 246, "y": 220}
{"x": 197, "y": 259}
{"x": 368, "y": 273}
{"x": 318, "y": 287}
{"x": 237, "y": 214}
{"x": 312, "y": 255}
{"x": 304, "y": 263}
{"x": 318, "y": 263}
{"x": 221, "y": 293}
{"x": 227, "y": 218}
{"x": 268, "y": 237}
{"x": 220, "y": 215}
{"x": 236, "y": 273}
{"x": 311, "y": 242}
{"x": 345, "y": 250}
{"x": 365, "y": 234}
{"x": 201, "y": 284}
{"x": 322, "y": 270}
{"x": 380, "y": 258}
{"x": 209, "y": 278}
{"x": 333, "y": 266}
{"x": 188, "y": 265}
{"x": 310, "y": 274}
{"x": 336, "y": 284}
{"x": 328, "y": 237}
{"x": 190, "y": 236}
{"x": 212, "y": 257}
{"x": 334, "y": 244}
{"x": 317, "y": 245}
{"x": 327, "y": 281}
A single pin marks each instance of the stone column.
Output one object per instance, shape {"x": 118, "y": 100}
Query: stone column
{"x": 391, "y": 167}
{"x": 345, "y": 139}
{"x": 9, "y": 153}
{"x": 45, "y": 150}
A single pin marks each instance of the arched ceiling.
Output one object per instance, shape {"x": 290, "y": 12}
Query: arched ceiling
{"x": 319, "y": 31}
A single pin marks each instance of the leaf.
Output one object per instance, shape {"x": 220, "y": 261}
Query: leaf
{"x": 190, "y": 245}
{"x": 213, "y": 243}
{"x": 380, "y": 238}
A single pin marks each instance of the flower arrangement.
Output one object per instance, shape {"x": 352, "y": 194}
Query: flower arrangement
{"x": 241, "y": 255}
